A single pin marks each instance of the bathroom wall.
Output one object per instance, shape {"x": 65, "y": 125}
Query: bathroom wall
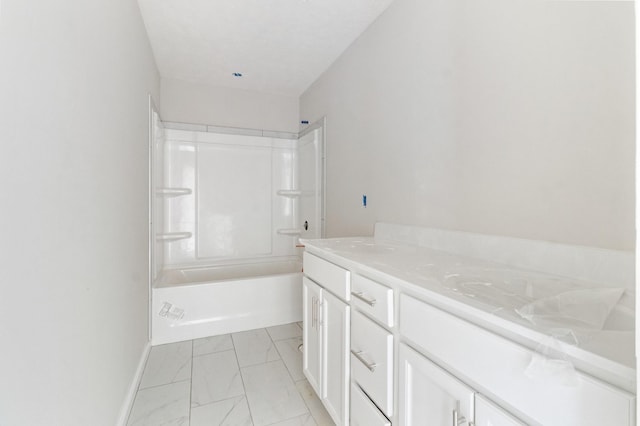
{"x": 74, "y": 86}
{"x": 194, "y": 103}
{"x": 508, "y": 117}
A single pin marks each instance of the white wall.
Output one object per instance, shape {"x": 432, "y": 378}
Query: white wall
{"x": 74, "y": 86}
{"x": 221, "y": 106}
{"x": 637, "y": 22}
{"x": 508, "y": 117}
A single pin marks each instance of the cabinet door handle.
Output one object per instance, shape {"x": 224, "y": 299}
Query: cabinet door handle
{"x": 358, "y": 295}
{"x": 313, "y": 312}
{"x": 358, "y": 355}
{"x": 457, "y": 421}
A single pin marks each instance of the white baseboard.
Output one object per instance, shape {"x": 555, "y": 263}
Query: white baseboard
{"x": 133, "y": 387}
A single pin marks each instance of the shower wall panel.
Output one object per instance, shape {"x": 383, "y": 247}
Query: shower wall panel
{"x": 234, "y": 200}
{"x": 157, "y": 183}
{"x": 309, "y": 175}
{"x": 230, "y": 210}
{"x": 180, "y": 172}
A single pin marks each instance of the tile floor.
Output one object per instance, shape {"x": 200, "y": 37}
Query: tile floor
{"x": 252, "y": 378}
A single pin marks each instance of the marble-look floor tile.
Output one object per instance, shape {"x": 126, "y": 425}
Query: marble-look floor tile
{"x": 306, "y": 420}
{"x": 319, "y": 413}
{"x": 229, "y": 412}
{"x": 209, "y": 345}
{"x": 291, "y": 356}
{"x": 215, "y": 377}
{"x": 271, "y": 393}
{"x": 286, "y": 331}
{"x": 161, "y": 405}
{"x": 167, "y": 364}
{"x": 300, "y": 324}
{"x": 254, "y": 347}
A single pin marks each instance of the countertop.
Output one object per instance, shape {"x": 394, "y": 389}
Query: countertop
{"x": 488, "y": 294}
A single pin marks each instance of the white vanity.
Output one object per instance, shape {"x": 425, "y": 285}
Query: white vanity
{"x": 419, "y": 327}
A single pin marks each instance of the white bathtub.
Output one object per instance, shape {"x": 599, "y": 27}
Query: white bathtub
{"x": 199, "y": 302}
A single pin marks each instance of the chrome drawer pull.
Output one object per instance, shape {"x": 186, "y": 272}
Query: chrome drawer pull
{"x": 358, "y": 355}
{"x": 358, "y": 295}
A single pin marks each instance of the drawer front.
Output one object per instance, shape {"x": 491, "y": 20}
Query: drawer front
{"x": 363, "y": 411}
{"x": 330, "y": 276}
{"x": 372, "y": 360}
{"x": 372, "y": 298}
{"x": 498, "y": 365}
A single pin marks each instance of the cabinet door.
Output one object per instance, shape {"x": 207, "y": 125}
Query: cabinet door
{"x": 428, "y": 395}
{"x": 489, "y": 414}
{"x": 311, "y": 335}
{"x": 335, "y": 358}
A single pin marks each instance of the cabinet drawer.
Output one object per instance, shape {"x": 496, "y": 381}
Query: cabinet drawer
{"x": 372, "y": 360}
{"x": 498, "y": 365}
{"x": 372, "y": 298}
{"x": 363, "y": 411}
{"x": 330, "y": 276}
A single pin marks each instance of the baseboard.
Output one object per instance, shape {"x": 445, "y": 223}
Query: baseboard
{"x": 133, "y": 387}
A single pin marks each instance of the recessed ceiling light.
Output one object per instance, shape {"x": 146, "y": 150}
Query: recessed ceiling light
{"x": 237, "y": 74}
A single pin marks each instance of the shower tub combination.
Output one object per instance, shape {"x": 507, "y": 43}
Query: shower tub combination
{"x": 199, "y": 302}
{"x": 226, "y": 214}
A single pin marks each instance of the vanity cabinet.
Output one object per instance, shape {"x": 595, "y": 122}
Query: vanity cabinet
{"x": 498, "y": 365}
{"x": 326, "y": 334}
{"x": 384, "y": 348}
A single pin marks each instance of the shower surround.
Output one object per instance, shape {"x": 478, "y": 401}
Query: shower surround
{"x": 226, "y": 220}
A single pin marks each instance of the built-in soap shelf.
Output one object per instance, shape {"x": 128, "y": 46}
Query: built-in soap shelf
{"x": 289, "y": 231}
{"x": 290, "y": 193}
{"x": 172, "y": 192}
{"x": 172, "y": 236}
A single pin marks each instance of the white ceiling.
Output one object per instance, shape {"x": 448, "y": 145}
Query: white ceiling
{"x": 280, "y": 46}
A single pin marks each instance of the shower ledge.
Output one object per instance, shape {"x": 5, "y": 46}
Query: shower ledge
{"x": 172, "y": 192}
{"x": 289, "y": 231}
{"x": 290, "y": 192}
{"x": 173, "y": 236}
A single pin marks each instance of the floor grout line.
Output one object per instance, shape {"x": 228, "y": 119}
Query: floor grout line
{"x": 244, "y": 388}
{"x": 191, "y": 382}
{"x": 160, "y": 385}
{"x": 285, "y": 364}
{"x": 304, "y": 401}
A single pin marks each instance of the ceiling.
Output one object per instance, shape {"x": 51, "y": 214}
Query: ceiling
{"x": 279, "y": 46}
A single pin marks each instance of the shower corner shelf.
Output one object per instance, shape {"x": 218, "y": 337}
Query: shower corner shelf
{"x": 172, "y": 192}
{"x": 290, "y": 192}
{"x": 289, "y": 231}
{"x": 172, "y": 236}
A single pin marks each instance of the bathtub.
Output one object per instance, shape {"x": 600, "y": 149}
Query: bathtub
{"x": 199, "y": 302}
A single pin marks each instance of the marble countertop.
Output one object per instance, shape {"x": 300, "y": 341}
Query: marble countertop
{"x": 489, "y": 295}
